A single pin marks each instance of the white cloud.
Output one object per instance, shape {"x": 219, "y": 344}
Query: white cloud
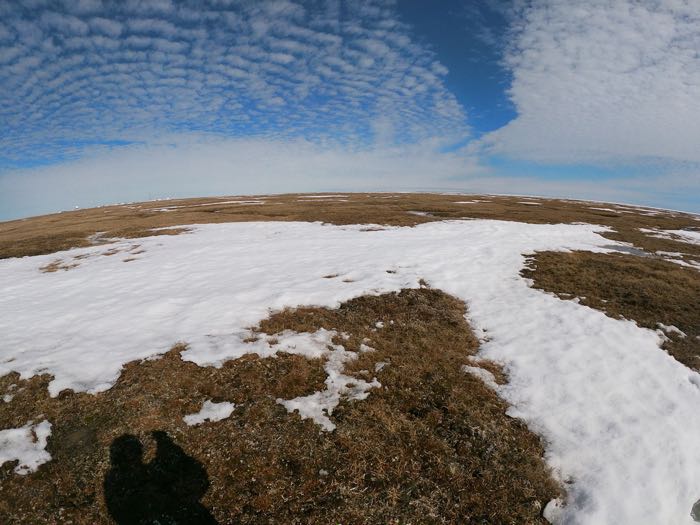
{"x": 83, "y": 6}
{"x": 152, "y": 25}
{"x": 66, "y": 24}
{"x": 604, "y": 81}
{"x": 106, "y": 26}
{"x": 197, "y": 165}
{"x": 272, "y": 69}
{"x": 206, "y": 165}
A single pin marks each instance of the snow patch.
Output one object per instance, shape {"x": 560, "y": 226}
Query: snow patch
{"x": 26, "y": 444}
{"x": 319, "y": 405}
{"x": 210, "y": 412}
{"x": 311, "y": 345}
{"x": 487, "y": 377}
{"x": 670, "y": 329}
{"x": 218, "y": 203}
{"x": 338, "y": 196}
{"x": 554, "y": 511}
{"x": 687, "y": 236}
{"x": 603, "y": 209}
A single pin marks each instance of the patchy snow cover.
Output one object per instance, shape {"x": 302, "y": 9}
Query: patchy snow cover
{"x": 312, "y": 345}
{"x": 689, "y": 236}
{"x": 321, "y": 197}
{"x": 618, "y": 415}
{"x": 319, "y": 405}
{"x": 26, "y": 444}
{"x": 483, "y": 374}
{"x": 670, "y": 329}
{"x": 217, "y": 203}
{"x": 210, "y": 412}
{"x": 603, "y": 209}
{"x": 668, "y": 254}
{"x": 688, "y": 264}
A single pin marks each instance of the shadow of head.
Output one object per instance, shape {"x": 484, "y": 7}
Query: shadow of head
{"x": 126, "y": 450}
{"x": 165, "y": 490}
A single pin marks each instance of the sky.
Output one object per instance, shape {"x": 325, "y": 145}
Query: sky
{"x": 104, "y": 102}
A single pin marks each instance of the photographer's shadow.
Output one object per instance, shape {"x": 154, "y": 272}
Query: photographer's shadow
{"x": 165, "y": 491}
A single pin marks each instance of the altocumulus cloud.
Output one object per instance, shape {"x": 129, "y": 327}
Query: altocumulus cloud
{"x": 88, "y": 74}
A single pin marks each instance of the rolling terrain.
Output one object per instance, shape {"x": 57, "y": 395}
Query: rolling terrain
{"x": 351, "y": 358}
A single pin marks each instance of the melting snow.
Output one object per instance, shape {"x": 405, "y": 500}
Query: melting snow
{"x": 319, "y": 405}
{"x": 618, "y": 415}
{"x": 26, "y": 444}
{"x": 670, "y": 329}
{"x": 338, "y": 196}
{"x": 210, "y": 412}
{"x": 603, "y": 209}
{"x": 379, "y": 366}
{"x": 483, "y": 374}
{"x": 688, "y": 236}
{"x": 217, "y": 203}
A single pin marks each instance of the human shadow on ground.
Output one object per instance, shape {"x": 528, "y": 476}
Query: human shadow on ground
{"x": 165, "y": 491}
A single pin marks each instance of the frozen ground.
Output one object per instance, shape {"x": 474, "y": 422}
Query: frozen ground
{"x": 618, "y": 415}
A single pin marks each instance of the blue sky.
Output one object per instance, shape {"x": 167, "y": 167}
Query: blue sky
{"x": 104, "y": 102}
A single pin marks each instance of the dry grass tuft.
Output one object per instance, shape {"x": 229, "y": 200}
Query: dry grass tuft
{"x": 432, "y": 445}
{"x": 57, "y": 264}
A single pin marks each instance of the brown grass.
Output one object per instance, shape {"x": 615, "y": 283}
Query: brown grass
{"x": 649, "y": 291}
{"x": 51, "y": 233}
{"x": 432, "y": 445}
